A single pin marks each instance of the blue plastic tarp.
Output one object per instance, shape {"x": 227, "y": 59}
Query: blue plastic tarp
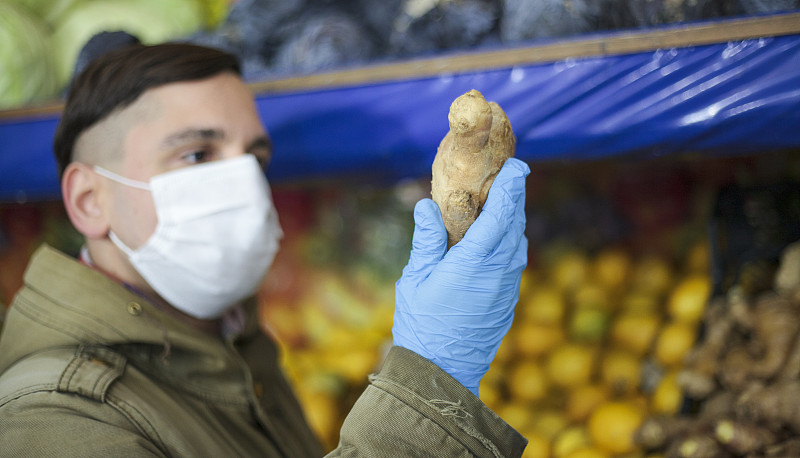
{"x": 738, "y": 97}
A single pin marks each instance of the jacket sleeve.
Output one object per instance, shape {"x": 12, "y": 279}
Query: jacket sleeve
{"x": 412, "y": 407}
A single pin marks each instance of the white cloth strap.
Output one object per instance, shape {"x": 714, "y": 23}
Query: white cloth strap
{"x": 121, "y": 179}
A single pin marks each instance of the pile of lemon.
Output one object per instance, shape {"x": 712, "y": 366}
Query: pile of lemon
{"x": 595, "y": 347}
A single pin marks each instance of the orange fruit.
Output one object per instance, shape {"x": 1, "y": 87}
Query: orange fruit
{"x": 612, "y": 425}
{"x": 571, "y": 365}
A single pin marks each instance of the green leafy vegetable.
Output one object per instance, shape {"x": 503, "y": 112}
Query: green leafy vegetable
{"x": 27, "y": 68}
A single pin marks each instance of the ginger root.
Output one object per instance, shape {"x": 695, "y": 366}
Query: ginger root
{"x": 741, "y": 437}
{"x": 468, "y": 159}
{"x": 697, "y": 378}
{"x": 772, "y": 405}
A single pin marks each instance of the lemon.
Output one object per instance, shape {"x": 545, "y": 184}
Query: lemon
{"x": 570, "y": 270}
{"x": 589, "y": 324}
{"x": 652, "y": 274}
{"x": 550, "y": 422}
{"x": 688, "y": 300}
{"x": 587, "y": 452}
{"x": 583, "y": 399}
{"x": 640, "y": 300}
{"x": 612, "y": 267}
{"x": 544, "y": 306}
{"x": 668, "y": 396}
{"x": 530, "y": 277}
{"x": 570, "y": 439}
{"x": 506, "y": 351}
{"x": 538, "y": 446}
{"x": 533, "y": 339}
{"x": 527, "y": 381}
{"x": 491, "y": 396}
{"x": 698, "y": 259}
{"x": 516, "y": 414}
{"x": 635, "y": 331}
{"x": 620, "y": 370}
{"x": 591, "y": 294}
{"x": 612, "y": 425}
{"x": 570, "y": 365}
{"x": 674, "y": 342}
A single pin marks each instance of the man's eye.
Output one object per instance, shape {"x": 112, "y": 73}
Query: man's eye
{"x": 197, "y": 156}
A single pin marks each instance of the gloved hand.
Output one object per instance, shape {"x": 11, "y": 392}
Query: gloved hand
{"x": 454, "y": 307}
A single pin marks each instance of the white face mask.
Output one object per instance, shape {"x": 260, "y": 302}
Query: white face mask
{"x": 217, "y": 234}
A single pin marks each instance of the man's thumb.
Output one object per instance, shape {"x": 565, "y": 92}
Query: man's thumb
{"x": 429, "y": 243}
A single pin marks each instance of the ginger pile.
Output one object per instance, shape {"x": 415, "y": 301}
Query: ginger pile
{"x": 744, "y": 375}
{"x": 468, "y": 159}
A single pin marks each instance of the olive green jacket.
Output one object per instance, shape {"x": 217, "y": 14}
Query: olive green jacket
{"x": 89, "y": 368}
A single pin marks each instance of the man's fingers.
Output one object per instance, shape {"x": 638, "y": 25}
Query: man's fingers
{"x": 500, "y": 212}
{"x": 429, "y": 242}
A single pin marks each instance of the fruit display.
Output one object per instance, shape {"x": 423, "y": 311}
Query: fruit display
{"x": 742, "y": 374}
{"x": 611, "y": 303}
{"x": 595, "y": 346}
{"x": 617, "y": 294}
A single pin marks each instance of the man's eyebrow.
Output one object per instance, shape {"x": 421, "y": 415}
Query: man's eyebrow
{"x": 192, "y": 134}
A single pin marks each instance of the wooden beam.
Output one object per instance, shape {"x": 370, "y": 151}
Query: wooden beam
{"x": 626, "y": 42}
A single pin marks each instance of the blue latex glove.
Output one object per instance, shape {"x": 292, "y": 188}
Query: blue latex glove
{"x": 454, "y": 307}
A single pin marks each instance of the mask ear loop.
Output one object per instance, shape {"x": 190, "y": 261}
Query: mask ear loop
{"x": 127, "y": 182}
{"x": 121, "y": 179}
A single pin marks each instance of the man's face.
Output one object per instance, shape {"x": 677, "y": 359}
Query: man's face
{"x": 175, "y": 126}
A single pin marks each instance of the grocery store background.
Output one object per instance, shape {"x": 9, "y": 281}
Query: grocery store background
{"x": 663, "y": 141}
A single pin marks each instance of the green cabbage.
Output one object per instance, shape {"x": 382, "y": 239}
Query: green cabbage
{"x": 152, "y": 21}
{"x": 48, "y": 10}
{"x": 27, "y": 67}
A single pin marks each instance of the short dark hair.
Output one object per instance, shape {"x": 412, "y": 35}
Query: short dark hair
{"x": 116, "y": 79}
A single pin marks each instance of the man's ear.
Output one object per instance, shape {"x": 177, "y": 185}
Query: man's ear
{"x": 83, "y": 196}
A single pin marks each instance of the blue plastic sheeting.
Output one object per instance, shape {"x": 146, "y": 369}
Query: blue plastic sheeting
{"x": 729, "y": 98}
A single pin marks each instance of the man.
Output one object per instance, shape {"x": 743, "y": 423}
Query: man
{"x": 148, "y": 344}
